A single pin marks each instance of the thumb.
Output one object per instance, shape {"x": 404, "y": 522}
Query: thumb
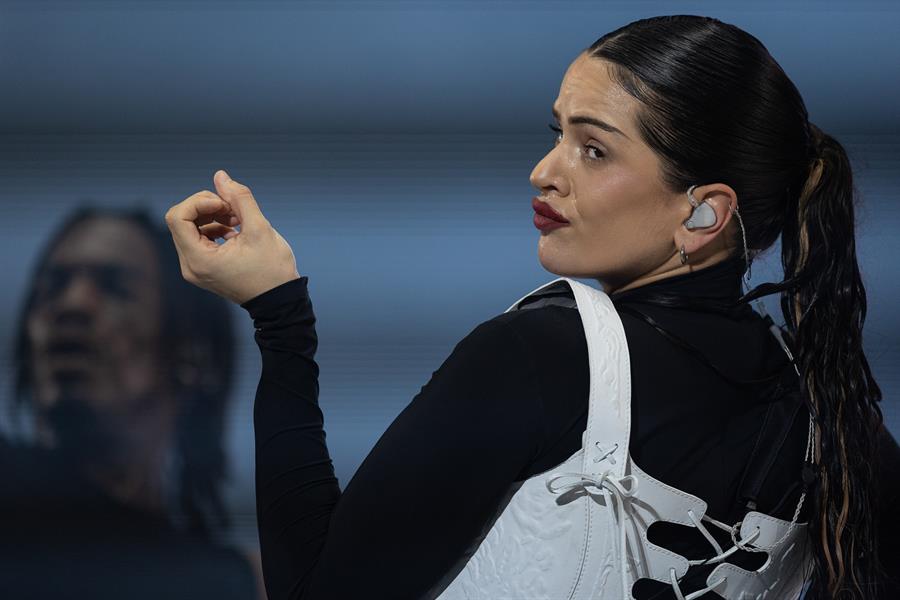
{"x": 241, "y": 200}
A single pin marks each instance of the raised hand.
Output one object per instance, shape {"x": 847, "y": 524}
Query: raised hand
{"x": 252, "y": 260}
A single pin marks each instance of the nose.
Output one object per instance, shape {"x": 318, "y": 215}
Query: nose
{"x": 80, "y": 294}
{"x": 546, "y": 175}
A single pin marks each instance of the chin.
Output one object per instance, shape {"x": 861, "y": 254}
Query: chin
{"x": 553, "y": 262}
{"x": 563, "y": 265}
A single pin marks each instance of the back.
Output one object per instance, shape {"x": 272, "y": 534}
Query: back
{"x": 630, "y": 498}
{"x": 691, "y": 427}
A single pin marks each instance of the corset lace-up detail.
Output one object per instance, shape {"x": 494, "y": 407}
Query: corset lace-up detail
{"x": 621, "y": 490}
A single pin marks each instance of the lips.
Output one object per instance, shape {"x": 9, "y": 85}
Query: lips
{"x": 68, "y": 347}
{"x": 67, "y": 354}
{"x": 545, "y": 210}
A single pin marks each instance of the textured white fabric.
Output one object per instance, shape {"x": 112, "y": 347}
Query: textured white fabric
{"x": 579, "y": 530}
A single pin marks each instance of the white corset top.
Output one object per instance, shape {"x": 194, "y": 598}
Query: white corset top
{"x": 579, "y": 530}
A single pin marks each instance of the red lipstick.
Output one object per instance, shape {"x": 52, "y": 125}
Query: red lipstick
{"x": 545, "y": 217}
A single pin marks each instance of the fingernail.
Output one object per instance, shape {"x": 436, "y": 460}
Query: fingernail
{"x": 227, "y": 176}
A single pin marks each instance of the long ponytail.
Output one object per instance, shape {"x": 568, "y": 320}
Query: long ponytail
{"x": 824, "y": 305}
{"x": 749, "y": 127}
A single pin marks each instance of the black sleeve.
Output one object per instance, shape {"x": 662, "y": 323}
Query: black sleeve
{"x": 888, "y": 485}
{"x": 423, "y": 493}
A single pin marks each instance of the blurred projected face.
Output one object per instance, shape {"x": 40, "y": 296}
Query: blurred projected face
{"x": 94, "y": 332}
{"x": 607, "y": 185}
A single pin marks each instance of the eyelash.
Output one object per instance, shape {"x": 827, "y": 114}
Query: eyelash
{"x": 599, "y": 152}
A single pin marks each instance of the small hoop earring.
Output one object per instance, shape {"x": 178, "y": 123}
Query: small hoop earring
{"x": 684, "y": 256}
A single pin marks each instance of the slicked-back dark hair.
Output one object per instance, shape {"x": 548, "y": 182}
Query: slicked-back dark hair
{"x": 190, "y": 316}
{"x": 715, "y": 106}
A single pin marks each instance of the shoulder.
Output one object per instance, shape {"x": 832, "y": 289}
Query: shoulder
{"x": 543, "y": 328}
{"x": 542, "y": 348}
{"x": 524, "y": 340}
{"x": 517, "y": 345}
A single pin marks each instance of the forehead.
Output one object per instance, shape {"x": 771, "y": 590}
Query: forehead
{"x": 587, "y": 89}
{"x": 106, "y": 241}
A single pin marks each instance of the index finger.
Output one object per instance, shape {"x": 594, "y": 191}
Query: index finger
{"x": 182, "y": 219}
{"x": 241, "y": 200}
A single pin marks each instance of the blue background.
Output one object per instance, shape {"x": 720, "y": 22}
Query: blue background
{"x": 390, "y": 143}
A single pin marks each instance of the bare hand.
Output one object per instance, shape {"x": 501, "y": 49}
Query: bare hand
{"x": 250, "y": 262}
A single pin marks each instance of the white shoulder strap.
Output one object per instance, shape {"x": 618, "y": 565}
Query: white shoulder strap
{"x": 609, "y": 410}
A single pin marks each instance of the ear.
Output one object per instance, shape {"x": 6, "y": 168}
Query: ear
{"x": 721, "y": 198}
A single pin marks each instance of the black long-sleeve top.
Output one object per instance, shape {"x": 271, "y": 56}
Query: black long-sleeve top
{"x": 510, "y": 401}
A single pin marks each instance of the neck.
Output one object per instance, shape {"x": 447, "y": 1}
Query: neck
{"x": 135, "y": 472}
{"x": 717, "y": 287}
{"x": 671, "y": 268}
{"x": 136, "y": 475}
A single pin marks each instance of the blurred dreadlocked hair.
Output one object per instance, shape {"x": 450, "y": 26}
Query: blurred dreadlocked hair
{"x": 191, "y": 317}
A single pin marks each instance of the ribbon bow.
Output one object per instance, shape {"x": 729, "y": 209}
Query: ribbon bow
{"x": 610, "y": 486}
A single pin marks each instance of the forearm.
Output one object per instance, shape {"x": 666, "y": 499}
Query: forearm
{"x": 296, "y": 489}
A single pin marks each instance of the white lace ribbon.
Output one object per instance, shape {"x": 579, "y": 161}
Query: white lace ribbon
{"x": 610, "y": 486}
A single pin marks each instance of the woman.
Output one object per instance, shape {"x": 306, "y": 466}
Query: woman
{"x": 668, "y": 128}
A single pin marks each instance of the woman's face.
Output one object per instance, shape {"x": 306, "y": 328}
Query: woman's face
{"x": 622, "y": 221}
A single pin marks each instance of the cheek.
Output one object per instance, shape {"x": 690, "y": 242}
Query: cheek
{"x": 609, "y": 208}
{"x": 621, "y": 223}
{"x": 601, "y": 191}
{"x": 619, "y": 196}
{"x": 37, "y": 329}
{"x": 133, "y": 342}
{"x": 130, "y": 341}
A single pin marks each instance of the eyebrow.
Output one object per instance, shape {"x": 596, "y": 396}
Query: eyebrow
{"x": 578, "y": 119}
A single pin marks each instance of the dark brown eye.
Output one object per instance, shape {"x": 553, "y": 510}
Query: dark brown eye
{"x": 112, "y": 280}
{"x": 597, "y": 150}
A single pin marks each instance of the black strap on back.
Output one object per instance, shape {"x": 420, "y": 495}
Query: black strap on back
{"x": 781, "y": 414}
{"x": 558, "y": 294}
